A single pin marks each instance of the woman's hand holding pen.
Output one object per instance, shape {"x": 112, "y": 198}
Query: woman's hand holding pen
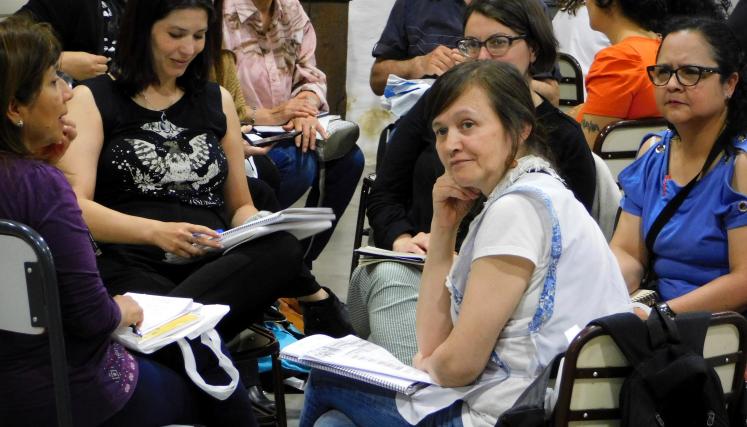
{"x": 182, "y": 238}
{"x": 132, "y": 313}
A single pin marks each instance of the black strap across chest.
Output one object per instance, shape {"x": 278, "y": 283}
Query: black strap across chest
{"x": 668, "y": 212}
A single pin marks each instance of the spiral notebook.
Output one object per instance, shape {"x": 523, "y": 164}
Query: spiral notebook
{"x": 300, "y": 222}
{"x": 645, "y": 296}
{"x": 356, "y": 358}
{"x": 371, "y": 254}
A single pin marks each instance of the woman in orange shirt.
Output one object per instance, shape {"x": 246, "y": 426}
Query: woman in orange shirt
{"x": 617, "y": 85}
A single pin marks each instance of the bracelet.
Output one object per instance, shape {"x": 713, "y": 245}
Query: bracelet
{"x": 664, "y": 308}
{"x": 256, "y": 216}
{"x": 253, "y": 117}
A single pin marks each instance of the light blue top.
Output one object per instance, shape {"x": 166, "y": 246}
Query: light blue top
{"x": 692, "y": 248}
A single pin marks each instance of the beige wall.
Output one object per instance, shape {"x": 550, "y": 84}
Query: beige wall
{"x": 7, "y": 7}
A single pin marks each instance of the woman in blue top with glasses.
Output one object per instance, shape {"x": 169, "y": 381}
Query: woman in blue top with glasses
{"x": 700, "y": 255}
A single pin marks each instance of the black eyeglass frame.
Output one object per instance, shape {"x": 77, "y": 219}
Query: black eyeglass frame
{"x": 675, "y": 72}
{"x": 480, "y": 43}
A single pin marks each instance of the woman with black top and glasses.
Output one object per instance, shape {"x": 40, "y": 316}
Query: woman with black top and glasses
{"x": 698, "y": 254}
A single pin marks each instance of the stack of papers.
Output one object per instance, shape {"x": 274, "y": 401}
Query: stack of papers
{"x": 167, "y": 319}
{"x": 372, "y": 255}
{"x": 359, "y": 359}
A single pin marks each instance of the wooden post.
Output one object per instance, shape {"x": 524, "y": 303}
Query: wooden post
{"x": 330, "y": 20}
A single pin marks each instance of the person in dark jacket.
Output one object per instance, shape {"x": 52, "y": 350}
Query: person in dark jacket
{"x": 87, "y": 30}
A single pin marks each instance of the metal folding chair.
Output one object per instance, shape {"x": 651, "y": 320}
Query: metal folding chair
{"x": 29, "y": 301}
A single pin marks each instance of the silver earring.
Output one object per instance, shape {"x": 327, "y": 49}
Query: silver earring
{"x": 19, "y": 124}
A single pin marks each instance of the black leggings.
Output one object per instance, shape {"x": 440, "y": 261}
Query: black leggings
{"x": 248, "y": 278}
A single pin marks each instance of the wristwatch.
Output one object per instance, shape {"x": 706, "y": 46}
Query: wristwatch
{"x": 664, "y": 308}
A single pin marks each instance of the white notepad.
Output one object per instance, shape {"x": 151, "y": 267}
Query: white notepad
{"x": 166, "y": 319}
{"x": 300, "y": 222}
{"x": 358, "y": 359}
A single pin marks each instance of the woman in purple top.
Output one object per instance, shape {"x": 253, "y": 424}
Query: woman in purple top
{"x": 109, "y": 385}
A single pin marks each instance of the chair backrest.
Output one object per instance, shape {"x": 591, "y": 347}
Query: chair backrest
{"x": 617, "y": 144}
{"x": 360, "y": 221}
{"x": 571, "y": 82}
{"x": 606, "y": 198}
{"x": 594, "y": 370}
{"x": 384, "y": 136}
{"x": 368, "y": 181}
{"x": 29, "y": 301}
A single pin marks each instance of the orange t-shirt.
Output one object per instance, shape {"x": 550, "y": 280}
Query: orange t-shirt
{"x": 617, "y": 84}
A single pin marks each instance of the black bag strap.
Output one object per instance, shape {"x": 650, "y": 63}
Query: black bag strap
{"x": 668, "y": 212}
{"x": 661, "y": 330}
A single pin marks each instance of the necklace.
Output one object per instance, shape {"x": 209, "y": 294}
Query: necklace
{"x": 164, "y": 124}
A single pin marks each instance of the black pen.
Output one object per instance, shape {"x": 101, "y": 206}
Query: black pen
{"x": 136, "y": 331}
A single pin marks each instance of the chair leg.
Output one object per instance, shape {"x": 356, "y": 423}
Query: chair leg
{"x": 279, "y": 389}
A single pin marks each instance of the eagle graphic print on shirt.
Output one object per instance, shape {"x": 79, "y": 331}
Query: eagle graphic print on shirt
{"x": 164, "y": 160}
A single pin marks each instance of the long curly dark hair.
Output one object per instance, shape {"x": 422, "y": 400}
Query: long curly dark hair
{"x": 652, "y": 14}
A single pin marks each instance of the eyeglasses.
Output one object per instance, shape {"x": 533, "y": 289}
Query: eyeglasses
{"x": 687, "y": 75}
{"x": 65, "y": 78}
{"x": 497, "y": 45}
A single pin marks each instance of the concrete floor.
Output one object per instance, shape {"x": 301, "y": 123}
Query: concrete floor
{"x": 332, "y": 269}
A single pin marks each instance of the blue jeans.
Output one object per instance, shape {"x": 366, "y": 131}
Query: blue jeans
{"x": 338, "y": 401}
{"x": 299, "y": 171}
{"x": 165, "y": 395}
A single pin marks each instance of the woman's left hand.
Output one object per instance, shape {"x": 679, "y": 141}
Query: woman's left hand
{"x": 308, "y": 126}
{"x": 418, "y": 361}
{"x": 250, "y": 150}
{"x": 451, "y": 202}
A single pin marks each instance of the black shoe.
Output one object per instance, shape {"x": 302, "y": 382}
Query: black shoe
{"x": 259, "y": 400}
{"x": 273, "y": 314}
{"x": 328, "y": 316}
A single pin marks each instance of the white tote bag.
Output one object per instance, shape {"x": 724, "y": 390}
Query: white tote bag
{"x": 209, "y": 315}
